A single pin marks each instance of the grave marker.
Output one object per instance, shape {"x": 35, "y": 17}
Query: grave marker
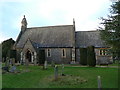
{"x": 56, "y": 72}
{"x": 99, "y": 83}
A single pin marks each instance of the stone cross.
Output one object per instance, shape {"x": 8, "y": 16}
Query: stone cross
{"x": 56, "y": 72}
{"x": 99, "y": 83}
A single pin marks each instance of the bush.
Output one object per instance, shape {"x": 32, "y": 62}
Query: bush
{"x": 41, "y": 57}
{"x": 83, "y": 56}
{"x": 91, "y": 60}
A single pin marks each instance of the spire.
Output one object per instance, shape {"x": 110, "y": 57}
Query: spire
{"x": 23, "y": 24}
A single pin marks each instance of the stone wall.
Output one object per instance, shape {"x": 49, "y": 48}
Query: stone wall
{"x": 56, "y": 55}
{"x": 102, "y": 59}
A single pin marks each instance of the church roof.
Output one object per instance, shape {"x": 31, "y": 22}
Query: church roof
{"x": 88, "y": 38}
{"x": 50, "y": 36}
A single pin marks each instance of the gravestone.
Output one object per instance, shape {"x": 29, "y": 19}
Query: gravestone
{"x": 27, "y": 62}
{"x": 7, "y": 65}
{"x": 45, "y": 65}
{"x": 7, "y": 62}
{"x": 62, "y": 73}
{"x": 53, "y": 64}
{"x": 13, "y": 69}
{"x": 13, "y": 61}
{"x": 99, "y": 83}
{"x": 56, "y": 72}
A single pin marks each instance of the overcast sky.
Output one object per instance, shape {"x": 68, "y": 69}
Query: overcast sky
{"x": 49, "y": 13}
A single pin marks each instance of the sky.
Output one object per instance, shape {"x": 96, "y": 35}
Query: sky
{"x": 40, "y": 13}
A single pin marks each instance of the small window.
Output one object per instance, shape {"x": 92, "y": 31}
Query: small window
{"x": 103, "y": 52}
{"x": 63, "y": 53}
{"x": 48, "y": 52}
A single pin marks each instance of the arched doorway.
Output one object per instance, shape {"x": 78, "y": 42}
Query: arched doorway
{"x": 28, "y": 55}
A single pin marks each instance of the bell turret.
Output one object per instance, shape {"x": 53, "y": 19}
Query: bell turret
{"x": 24, "y": 24}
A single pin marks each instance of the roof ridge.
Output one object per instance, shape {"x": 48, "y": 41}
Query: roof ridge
{"x": 89, "y": 31}
{"x": 49, "y": 26}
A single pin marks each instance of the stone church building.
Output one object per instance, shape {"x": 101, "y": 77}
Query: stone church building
{"x": 61, "y": 44}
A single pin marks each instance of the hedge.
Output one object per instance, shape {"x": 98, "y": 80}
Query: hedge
{"x": 91, "y": 60}
{"x": 83, "y": 56}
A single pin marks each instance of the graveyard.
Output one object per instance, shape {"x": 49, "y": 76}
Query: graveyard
{"x": 65, "y": 76}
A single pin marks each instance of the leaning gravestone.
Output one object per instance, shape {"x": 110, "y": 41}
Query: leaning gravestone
{"x": 56, "y": 72}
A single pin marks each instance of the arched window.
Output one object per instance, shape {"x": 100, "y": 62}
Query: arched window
{"x": 63, "y": 53}
{"x": 48, "y": 52}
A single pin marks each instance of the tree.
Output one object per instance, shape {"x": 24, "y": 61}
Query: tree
{"x": 91, "y": 60}
{"x": 7, "y": 46}
{"x": 110, "y": 32}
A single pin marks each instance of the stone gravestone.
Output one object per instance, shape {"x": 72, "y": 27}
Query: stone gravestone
{"x": 62, "y": 73}
{"x": 7, "y": 62}
{"x": 99, "y": 83}
{"x": 13, "y": 68}
{"x": 7, "y": 65}
{"x": 53, "y": 64}
{"x": 13, "y": 61}
{"x": 45, "y": 65}
{"x": 56, "y": 72}
{"x": 27, "y": 64}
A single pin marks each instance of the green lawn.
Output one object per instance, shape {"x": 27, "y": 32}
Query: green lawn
{"x": 75, "y": 77}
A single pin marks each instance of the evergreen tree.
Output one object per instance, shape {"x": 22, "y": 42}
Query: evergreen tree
{"x": 7, "y": 46}
{"x": 110, "y": 31}
{"x": 83, "y": 56}
{"x": 91, "y": 60}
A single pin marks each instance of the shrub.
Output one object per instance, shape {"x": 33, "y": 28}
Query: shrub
{"x": 91, "y": 60}
{"x": 83, "y": 56}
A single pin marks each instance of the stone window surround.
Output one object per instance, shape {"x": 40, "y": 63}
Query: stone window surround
{"x": 63, "y": 52}
{"x": 103, "y": 52}
{"x": 48, "y": 52}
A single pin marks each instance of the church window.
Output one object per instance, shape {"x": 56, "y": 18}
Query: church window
{"x": 48, "y": 52}
{"x": 63, "y": 53}
{"x": 103, "y": 52}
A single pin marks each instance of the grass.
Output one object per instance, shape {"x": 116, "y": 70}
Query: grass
{"x": 76, "y": 77}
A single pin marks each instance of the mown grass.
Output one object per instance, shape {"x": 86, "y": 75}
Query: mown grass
{"x": 38, "y": 78}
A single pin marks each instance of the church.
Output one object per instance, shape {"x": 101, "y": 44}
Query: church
{"x": 60, "y": 44}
